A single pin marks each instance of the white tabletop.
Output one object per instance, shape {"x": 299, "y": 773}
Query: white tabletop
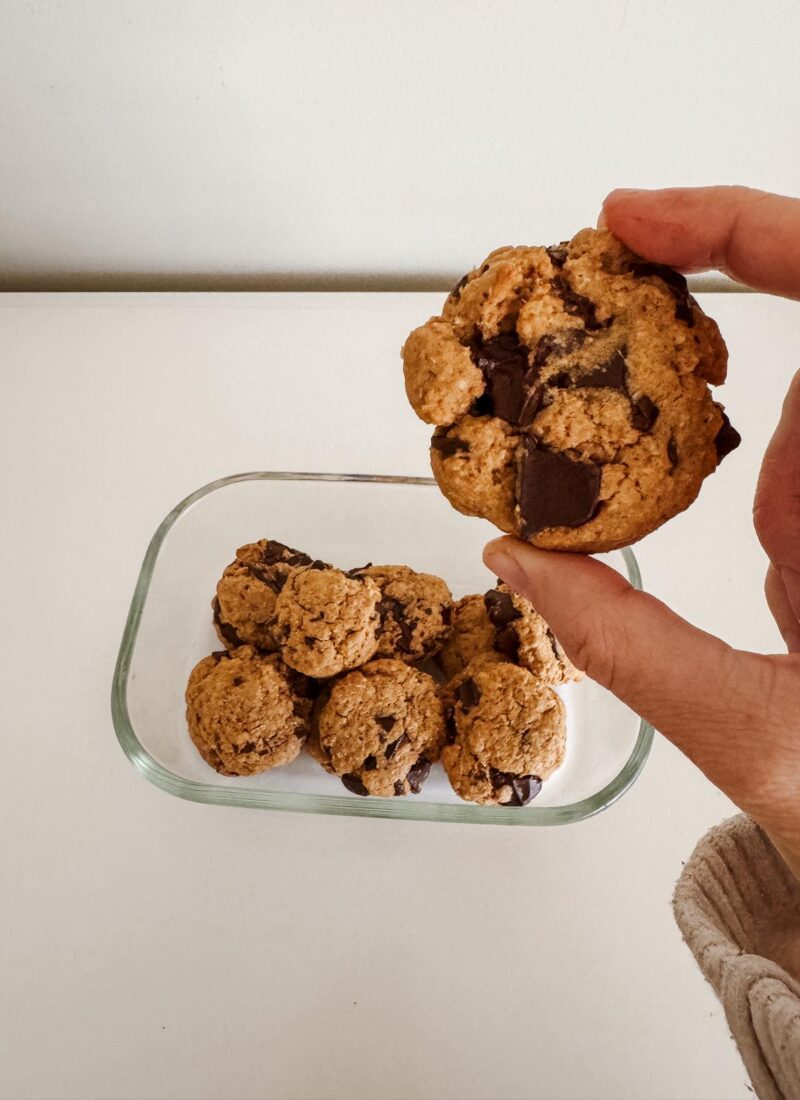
{"x": 154, "y": 948}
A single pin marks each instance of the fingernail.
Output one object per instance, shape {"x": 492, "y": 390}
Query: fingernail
{"x": 498, "y": 556}
{"x": 791, "y": 582}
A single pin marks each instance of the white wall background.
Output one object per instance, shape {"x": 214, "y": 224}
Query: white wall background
{"x": 285, "y": 143}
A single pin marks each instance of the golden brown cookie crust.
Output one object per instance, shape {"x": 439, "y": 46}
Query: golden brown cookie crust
{"x": 327, "y": 621}
{"x": 379, "y": 728}
{"x": 247, "y": 591}
{"x": 594, "y": 423}
{"x": 507, "y": 733}
{"x": 247, "y": 712}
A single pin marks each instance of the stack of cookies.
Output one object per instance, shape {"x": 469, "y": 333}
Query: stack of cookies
{"x": 379, "y": 675}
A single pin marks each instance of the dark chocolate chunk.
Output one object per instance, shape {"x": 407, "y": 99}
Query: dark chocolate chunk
{"x": 225, "y": 629}
{"x": 644, "y": 413}
{"x": 448, "y": 445}
{"x": 511, "y": 389}
{"x": 318, "y": 565}
{"x": 556, "y": 648}
{"x": 385, "y": 721}
{"x": 558, "y": 253}
{"x": 391, "y": 609}
{"x": 354, "y": 784}
{"x": 578, "y": 305}
{"x": 672, "y": 451}
{"x": 268, "y": 576}
{"x": 238, "y": 681}
{"x": 506, "y": 641}
{"x": 355, "y": 574}
{"x": 220, "y": 655}
{"x": 399, "y": 788}
{"x": 455, "y": 293}
{"x": 309, "y": 640}
{"x": 523, "y": 787}
{"x": 560, "y": 381}
{"x": 248, "y": 746}
{"x": 370, "y": 764}
{"x": 418, "y": 774}
{"x": 554, "y": 490}
{"x": 468, "y": 695}
{"x": 612, "y": 375}
{"x": 500, "y": 608}
{"x": 727, "y": 438}
{"x": 393, "y": 746}
{"x": 275, "y": 552}
{"x": 447, "y": 614}
{"x": 555, "y": 345}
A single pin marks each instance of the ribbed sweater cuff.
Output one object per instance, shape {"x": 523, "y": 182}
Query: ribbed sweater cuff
{"x": 735, "y": 903}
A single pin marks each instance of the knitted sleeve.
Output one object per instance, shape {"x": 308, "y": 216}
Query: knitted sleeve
{"x": 738, "y": 908}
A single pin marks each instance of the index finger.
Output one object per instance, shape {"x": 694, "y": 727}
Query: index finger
{"x": 753, "y": 236}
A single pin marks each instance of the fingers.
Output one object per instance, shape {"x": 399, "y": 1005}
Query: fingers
{"x": 753, "y": 236}
{"x": 700, "y": 693}
{"x": 776, "y": 509}
{"x": 782, "y": 611}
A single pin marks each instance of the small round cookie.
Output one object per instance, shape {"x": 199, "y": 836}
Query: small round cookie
{"x": 246, "y": 711}
{"x": 570, "y": 389}
{"x": 522, "y": 635}
{"x": 244, "y": 606}
{"x": 415, "y": 610}
{"x": 326, "y": 621}
{"x": 507, "y": 733}
{"x": 380, "y": 728}
{"x": 471, "y": 633}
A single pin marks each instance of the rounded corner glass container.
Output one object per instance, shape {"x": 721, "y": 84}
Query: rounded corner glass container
{"x": 347, "y": 519}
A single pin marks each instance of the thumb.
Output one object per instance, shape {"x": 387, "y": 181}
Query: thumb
{"x": 699, "y": 692}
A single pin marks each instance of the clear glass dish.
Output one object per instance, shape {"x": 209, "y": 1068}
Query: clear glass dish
{"x": 347, "y": 519}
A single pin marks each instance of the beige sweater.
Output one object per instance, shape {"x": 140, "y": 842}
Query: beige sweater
{"x": 738, "y": 908}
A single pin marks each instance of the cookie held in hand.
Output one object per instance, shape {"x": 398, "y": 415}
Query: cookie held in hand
{"x": 570, "y": 389}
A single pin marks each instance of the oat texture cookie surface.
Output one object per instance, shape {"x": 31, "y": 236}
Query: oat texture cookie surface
{"x": 570, "y": 389}
{"x": 380, "y": 728}
{"x": 507, "y": 733}
{"x": 246, "y": 711}
{"x": 415, "y": 611}
{"x": 244, "y": 605}
{"x": 326, "y": 621}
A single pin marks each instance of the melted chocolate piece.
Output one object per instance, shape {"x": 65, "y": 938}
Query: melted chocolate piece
{"x": 447, "y": 615}
{"x": 220, "y": 655}
{"x": 455, "y": 293}
{"x": 355, "y": 574}
{"x": 267, "y": 576}
{"x": 558, "y": 253}
{"x": 418, "y": 774}
{"x": 354, "y": 784}
{"x": 727, "y": 438}
{"x": 644, "y": 413}
{"x": 512, "y": 392}
{"x": 577, "y": 305}
{"x": 275, "y": 552}
{"x": 391, "y": 608}
{"x": 506, "y": 641}
{"x": 524, "y": 788}
{"x": 370, "y": 764}
{"x": 393, "y": 746}
{"x": 225, "y": 629}
{"x": 399, "y": 787}
{"x": 560, "y": 381}
{"x": 500, "y": 608}
{"x": 554, "y": 490}
{"x": 612, "y": 375}
{"x": 318, "y": 565}
{"x": 672, "y": 452}
{"x": 468, "y": 695}
{"x": 385, "y": 721}
{"x": 448, "y": 445}
{"x": 558, "y": 344}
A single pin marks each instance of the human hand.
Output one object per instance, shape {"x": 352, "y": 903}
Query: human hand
{"x": 735, "y": 714}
